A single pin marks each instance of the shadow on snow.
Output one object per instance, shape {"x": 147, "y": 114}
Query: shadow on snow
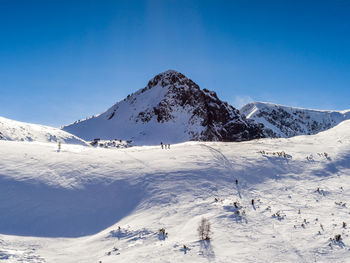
{"x": 39, "y": 209}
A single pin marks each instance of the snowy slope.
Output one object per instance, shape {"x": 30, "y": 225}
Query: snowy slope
{"x": 283, "y": 121}
{"x": 87, "y": 204}
{"x": 11, "y": 130}
{"x": 171, "y": 109}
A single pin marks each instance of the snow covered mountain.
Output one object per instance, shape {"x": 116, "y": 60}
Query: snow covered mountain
{"x": 88, "y": 205}
{"x": 11, "y": 130}
{"x": 172, "y": 109}
{"x": 283, "y": 121}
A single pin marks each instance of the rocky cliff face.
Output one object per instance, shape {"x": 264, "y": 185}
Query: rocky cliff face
{"x": 283, "y": 121}
{"x": 171, "y": 108}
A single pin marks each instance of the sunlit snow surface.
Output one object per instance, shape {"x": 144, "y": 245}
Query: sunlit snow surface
{"x": 68, "y": 205}
{"x": 11, "y": 130}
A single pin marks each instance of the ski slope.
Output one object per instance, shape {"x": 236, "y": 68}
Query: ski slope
{"x": 86, "y": 204}
{"x": 11, "y": 130}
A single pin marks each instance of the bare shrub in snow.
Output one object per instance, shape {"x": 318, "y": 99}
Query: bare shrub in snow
{"x": 279, "y": 154}
{"x": 337, "y": 238}
{"x": 325, "y": 155}
{"x": 204, "y": 229}
{"x": 185, "y": 249}
{"x": 162, "y": 234}
{"x": 279, "y": 215}
{"x": 340, "y": 204}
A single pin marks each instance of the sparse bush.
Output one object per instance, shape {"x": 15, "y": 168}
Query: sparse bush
{"x": 280, "y": 154}
{"x": 279, "y": 215}
{"x": 321, "y": 192}
{"x": 340, "y": 204}
{"x": 310, "y": 158}
{"x": 162, "y": 233}
{"x": 204, "y": 229}
{"x": 337, "y": 238}
{"x": 325, "y": 155}
{"x": 185, "y": 249}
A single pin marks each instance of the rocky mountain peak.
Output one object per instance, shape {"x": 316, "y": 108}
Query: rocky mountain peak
{"x": 170, "y": 78}
{"x": 172, "y": 107}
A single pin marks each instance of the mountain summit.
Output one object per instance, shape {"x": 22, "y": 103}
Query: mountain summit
{"x": 171, "y": 108}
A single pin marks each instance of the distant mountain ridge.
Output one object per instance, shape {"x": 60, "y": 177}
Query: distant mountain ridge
{"x": 171, "y": 108}
{"x": 11, "y": 130}
{"x": 284, "y": 121}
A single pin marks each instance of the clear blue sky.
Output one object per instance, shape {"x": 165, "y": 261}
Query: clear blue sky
{"x": 65, "y": 60}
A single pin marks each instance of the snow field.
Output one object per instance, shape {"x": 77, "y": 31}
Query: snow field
{"x": 86, "y": 204}
{"x": 11, "y": 130}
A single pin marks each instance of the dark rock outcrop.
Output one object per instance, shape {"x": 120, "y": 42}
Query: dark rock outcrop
{"x": 222, "y": 122}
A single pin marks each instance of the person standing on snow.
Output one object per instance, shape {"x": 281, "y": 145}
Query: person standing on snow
{"x": 161, "y": 144}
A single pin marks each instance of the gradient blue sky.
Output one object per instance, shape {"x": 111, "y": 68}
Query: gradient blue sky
{"x": 65, "y": 60}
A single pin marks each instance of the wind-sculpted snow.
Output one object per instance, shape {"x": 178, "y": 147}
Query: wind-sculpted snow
{"x": 11, "y": 130}
{"x": 171, "y": 108}
{"x": 282, "y": 121}
{"x": 124, "y": 199}
{"x": 38, "y": 209}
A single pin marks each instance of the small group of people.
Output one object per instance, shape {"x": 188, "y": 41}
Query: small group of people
{"x": 164, "y": 146}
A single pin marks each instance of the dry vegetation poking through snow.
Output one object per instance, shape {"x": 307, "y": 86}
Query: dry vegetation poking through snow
{"x": 268, "y": 200}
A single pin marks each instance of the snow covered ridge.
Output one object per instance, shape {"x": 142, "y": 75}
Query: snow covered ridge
{"x": 283, "y": 121}
{"x": 11, "y": 130}
{"x": 171, "y": 108}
